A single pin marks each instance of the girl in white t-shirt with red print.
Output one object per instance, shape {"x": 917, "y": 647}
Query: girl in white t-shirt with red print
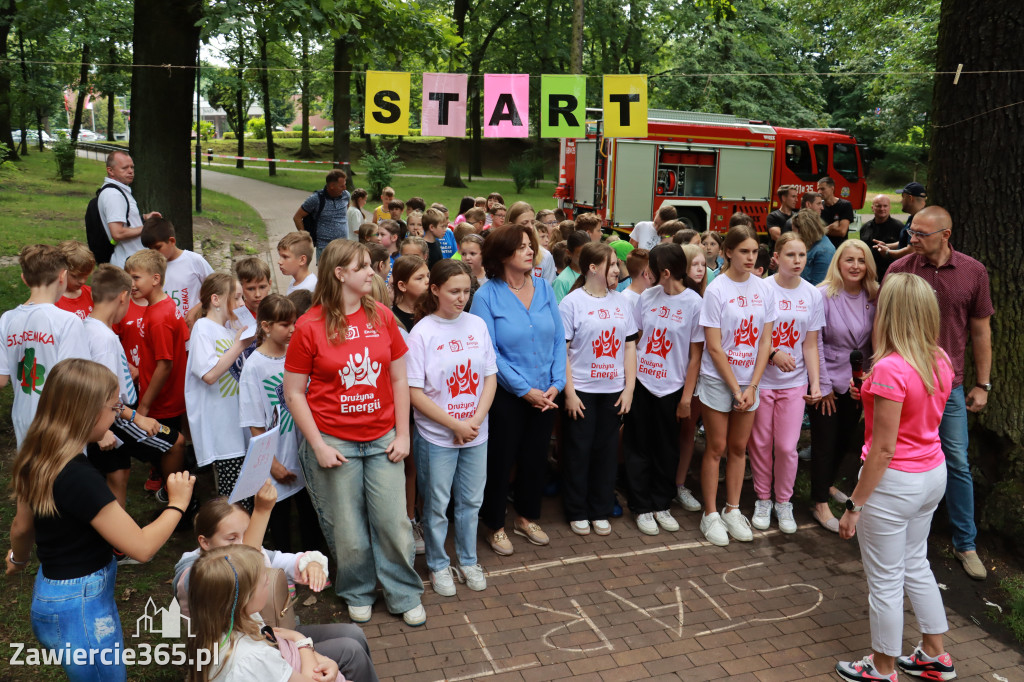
{"x": 789, "y": 383}
{"x": 671, "y": 342}
{"x": 600, "y": 375}
{"x": 737, "y": 317}
{"x": 452, "y": 379}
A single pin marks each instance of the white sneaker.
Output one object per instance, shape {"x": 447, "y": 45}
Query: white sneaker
{"x": 602, "y": 527}
{"x": 784, "y": 512}
{"x": 665, "y": 520}
{"x": 714, "y": 529}
{"x": 360, "y": 614}
{"x": 473, "y": 576}
{"x": 415, "y": 616}
{"x": 738, "y": 525}
{"x": 580, "y": 527}
{"x": 686, "y": 499}
{"x": 442, "y": 582}
{"x": 417, "y": 536}
{"x": 762, "y": 517}
{"x": 645, "y": 522}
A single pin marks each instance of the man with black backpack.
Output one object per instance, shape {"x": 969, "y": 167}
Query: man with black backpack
{"x": 324, "y": 213}
{"x": 113, "y": 224}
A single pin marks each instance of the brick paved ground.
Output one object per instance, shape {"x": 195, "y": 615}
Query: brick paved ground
{"x": 669, "y": 607}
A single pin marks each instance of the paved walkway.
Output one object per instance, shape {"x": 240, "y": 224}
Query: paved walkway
{"x": 275, "y": 204}
{"x": 635, "y": 607}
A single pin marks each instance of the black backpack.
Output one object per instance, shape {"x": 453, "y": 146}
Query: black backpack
{"x": 310, "y": 220}
{"x": 100, "y": 244}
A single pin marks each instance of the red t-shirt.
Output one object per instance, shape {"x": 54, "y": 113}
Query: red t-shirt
{"x": 349, "y": 389}
{"x": 129, "y": 331}
{"x": 164, "y": 334}
{"x": 80, "y": 306}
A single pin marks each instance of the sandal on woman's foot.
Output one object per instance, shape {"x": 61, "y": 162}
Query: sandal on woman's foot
{"x": 831, "y": 523}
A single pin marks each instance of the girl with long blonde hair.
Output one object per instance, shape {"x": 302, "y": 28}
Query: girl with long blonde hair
{"x": 66, "y": 509}
{"x": 345, "y": 385}
{"x": 902, "y": 480}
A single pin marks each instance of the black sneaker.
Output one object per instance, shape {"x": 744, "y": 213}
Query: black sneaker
{"x": 916, "y": 665}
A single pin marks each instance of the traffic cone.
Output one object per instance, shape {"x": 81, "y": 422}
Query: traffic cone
{"x": 562, "y": 191}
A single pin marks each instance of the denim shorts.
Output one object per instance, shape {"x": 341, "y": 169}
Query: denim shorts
{"x": 715, "y": 393}
{"x": 81, "y": 613}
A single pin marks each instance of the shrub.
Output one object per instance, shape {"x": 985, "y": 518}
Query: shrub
{"x": 898, "y": 164}
{"x": 258, "y": 127}
{"x": 526, "y": 171}
{"x": 206, "y": 130}
{"x": 381, "y": 165}
{"x": 64, "y": 155}
{"x": 5, "y": 153}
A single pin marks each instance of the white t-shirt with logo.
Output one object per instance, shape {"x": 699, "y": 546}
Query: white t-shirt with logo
{"x": 36, "y": 337}
{"x": 308, "y": 284}
{"x": 449, "y": 360}
{"x": 630, "y": 296}
{"x": 105, "y": 348}
{"x": 212, "y": 408}
{"x": 596, "y": 329}
{"x": 669, "y": 325}
{"x": 799, "y": 311}
{"x": 645, "y": 235}
{"x": 114, "y": 208}
{"x": 260, "y": 394}
{"x": 184, "y": 278}
{"x": 740, "y": 311}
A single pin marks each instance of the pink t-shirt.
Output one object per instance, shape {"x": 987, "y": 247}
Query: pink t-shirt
{"x": 741, "y": 311}
{"x": 597, "y": 329}
{"x": 799, "y": 311}
{"x": 669, "y": 325}
{"x": 917, "y": 445}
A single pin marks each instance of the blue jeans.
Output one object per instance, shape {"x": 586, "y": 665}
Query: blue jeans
{"x": 81, "y": 612}
{"x": 361, "y": 506}
{"x": 959, "y": 483}
{"x": 442, "y": 471}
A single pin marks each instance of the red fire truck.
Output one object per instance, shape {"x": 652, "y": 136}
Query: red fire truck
{"x": 707, "y": 165}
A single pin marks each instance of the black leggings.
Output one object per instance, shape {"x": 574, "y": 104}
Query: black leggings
{"x": 589, "y": 465}
{"x": 650, "y": 443}
{"x": 833, "y": 438}
{"x": 310, "y": 535}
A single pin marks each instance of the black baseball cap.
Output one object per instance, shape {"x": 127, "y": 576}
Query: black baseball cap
{"x": 915, "y": 189}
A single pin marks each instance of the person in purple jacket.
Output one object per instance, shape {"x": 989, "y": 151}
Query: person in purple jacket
{"x": 849, "y": 291}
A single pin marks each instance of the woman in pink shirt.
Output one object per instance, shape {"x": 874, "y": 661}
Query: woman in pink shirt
{"x": 901, "y": 482}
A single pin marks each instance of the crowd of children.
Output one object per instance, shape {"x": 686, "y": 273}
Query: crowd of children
{"x": 685, "y": 327}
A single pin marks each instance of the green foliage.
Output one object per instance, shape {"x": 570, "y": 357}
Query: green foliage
{"x": 258, "y": 127}
{"x": 1013, "y": 616}
{"x": 897, "y": 164}
{"x": 381, "y": 165}
{"x": 297, "y": 134}
{"x": 64, "y": 156}
{"x": 282, "y": 112}
{"x": 5, "y": 153}
{"x": 526, "y": 170}
{"x": 206, "y": 130}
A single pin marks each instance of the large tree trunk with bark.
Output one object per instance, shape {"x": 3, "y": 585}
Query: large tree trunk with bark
{"x": 111, "y": 95}
{"x": 305, "y": 151}
{"x": 7, "y": 10}
{"x": 161, "y": 117}
{"x": 83, "y": 93}
{"x": 268, "y": 124}
{"x": 978, "y": 152}
{"x": 342, "y": 97}
{"x": 240, "y": 109}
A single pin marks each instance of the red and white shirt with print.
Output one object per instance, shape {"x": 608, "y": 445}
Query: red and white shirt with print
{"x": 799, "y": 311}
{"x": 741, "y": 311}
{"x": 669, "y": 325}
{"x": 597, "y": 329}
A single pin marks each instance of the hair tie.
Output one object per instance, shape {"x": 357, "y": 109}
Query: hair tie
{"x": 234, "y": 604}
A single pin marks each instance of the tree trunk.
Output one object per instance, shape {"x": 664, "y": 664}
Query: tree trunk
{"x": 7, "y": 10}
{"x": 240, "y": 109}
{"x": 476, "y": 166}
{"x": 24, "y": 108}
{"x": 976, "y": 143}
{"x": 304, "y": 149}
{"x": 83, "y": 93}
{"x": 268, "y": 125}
{"x": 161, "y": 117}
{"x": 111, "y": 96}
{"x": 576, "y": 47}
{"x": 342, "y": 97}
{"x": 452, "y": 145}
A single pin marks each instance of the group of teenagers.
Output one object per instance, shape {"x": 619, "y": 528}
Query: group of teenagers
{"x": 381, "y": 371}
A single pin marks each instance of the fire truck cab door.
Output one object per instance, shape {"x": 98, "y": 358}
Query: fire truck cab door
{"x": 635, "y": 168}
{"x": 744, "y": 174}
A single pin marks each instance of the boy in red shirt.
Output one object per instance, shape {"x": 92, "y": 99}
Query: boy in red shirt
{"x": 77, "y": 298}
{"x": 164, "y": 333}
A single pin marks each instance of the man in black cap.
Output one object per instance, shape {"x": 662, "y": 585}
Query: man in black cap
{"x": 913, "y": 198}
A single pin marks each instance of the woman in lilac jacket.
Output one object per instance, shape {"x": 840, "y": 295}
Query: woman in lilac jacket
{"x": 849, "y": 291}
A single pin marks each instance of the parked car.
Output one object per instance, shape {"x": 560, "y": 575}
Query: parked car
{"x": 31, "y": 135}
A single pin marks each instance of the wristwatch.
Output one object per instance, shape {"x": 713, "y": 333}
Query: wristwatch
{"x": 850, "y": 506}
{"x": 304, "y": 643}
{"x": 984, "y": 387}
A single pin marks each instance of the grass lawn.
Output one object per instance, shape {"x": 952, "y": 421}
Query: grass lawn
{"x": 35, "y": 207}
